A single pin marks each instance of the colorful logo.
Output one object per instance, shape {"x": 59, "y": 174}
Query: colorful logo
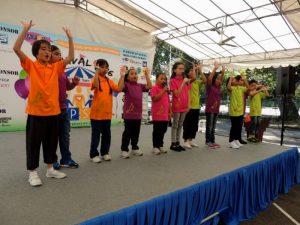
{"x": 33, "y": 36}
{"x": 22, "y": 85}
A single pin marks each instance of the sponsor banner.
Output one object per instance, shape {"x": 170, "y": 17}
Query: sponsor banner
{"x": 14, "y": 82}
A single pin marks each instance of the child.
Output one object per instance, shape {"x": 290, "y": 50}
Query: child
{"x": 42, "y": 104}
{"x": 101, "y": 111}
{"x": 64, "y": 121}
{"x": 213, "y": 100}
{"x": 160, "y": 112}
{"x": 257, "y": 93}
{"x": 180, "y": 87}
{"x": 132, "y": 109}
{"x": 236, "y": 88}
{"x": 190, "y": 124}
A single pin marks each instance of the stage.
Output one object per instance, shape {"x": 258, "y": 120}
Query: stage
{"x": 98, "y": 189}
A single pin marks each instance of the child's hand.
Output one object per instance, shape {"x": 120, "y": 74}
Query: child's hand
{"x": 68, "y": 32}
{"x": 216, "y": 64}
{"x": 166, "y": 89}
{"x": 27, "y": 25}
{"x": 147, "y": 71}
{"x": 76, "y": 80}
{"x": 223, "y": 68}
{"x": 123, "y": 70}
{"x": 186, "y": 80}
{"x": 170, "y": 115}
{"x": 199, "y": 66}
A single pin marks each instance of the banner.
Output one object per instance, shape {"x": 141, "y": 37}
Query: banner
{"x": 14, "y": 82}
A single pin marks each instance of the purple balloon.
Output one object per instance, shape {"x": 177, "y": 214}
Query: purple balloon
{"x": 21, "y": 89}
{"x": 27, "y": 83}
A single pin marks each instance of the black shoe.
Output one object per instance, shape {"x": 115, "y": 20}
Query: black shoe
{"x": 174, "y": 147}
{"x": 243, "y": 142}
{"x": 181, "y": 148}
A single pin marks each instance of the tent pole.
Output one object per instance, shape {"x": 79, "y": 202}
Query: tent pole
{"x": 282, "y": 118}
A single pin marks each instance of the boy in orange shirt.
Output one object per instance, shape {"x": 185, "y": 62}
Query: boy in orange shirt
{"x": 42, "y": 104}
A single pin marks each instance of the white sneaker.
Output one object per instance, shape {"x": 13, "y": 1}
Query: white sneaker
{"x": 162, "y": 150}
{"x": 238, "y": 143}
{"x": 137, "y": 152}
{"x": 233, "y": 145}
{"x": 106, "y": 157}
{"x": 187, "y": 144}
{"x": 55, "y": 174}
{"x": 96, "y": 159}
{"x": 156, "y": 151}
{"x": 34, "y": 179}
{"x": 124, "y": 154}
{"x": 193, "y": 144}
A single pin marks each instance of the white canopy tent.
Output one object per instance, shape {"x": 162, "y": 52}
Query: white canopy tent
{"x": 266, "y": 32}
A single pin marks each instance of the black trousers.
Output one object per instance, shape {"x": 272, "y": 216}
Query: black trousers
{"x": 190, "y": 124}
{"x": 41, "y": 130}
{"x": 131, "y": 134}
{"x": 100, "y": 127}
{"x": 159, "y": 130}
{"x": 236, "y": 128}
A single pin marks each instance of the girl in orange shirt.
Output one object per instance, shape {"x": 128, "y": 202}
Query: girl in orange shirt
{"x": 101, "y": 111}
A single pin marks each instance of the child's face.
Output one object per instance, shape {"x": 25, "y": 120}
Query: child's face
{"x": 179, "y": 71}
{"x": 44, "y": 53}
{"x": 132, "y": 76}
{"x": 161, "y": 80}
{"x": 253, "y": 86}
{"x": 102, "y": 70}
{"x": 56, "y": 56}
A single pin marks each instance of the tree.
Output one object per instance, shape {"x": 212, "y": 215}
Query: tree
{"x": 166, "y": 55}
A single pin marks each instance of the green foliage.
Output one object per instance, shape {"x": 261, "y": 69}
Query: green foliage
{"x": 166, "y": 55}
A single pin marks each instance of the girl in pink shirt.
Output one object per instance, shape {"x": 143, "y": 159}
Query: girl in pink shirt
{"x": 179, "y": 87}
{"x": 161, "y": 110}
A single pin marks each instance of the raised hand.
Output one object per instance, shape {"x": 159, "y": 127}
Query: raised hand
{"x": 216, "y": 65}
{"x": 147, "y": 71}
{"x": 76, "y": 80}
{"x": 68, "y": 32}
{"x": 123, "y": 70}
{"x": 27, "y": 25}
{"x": 186, "y": 80}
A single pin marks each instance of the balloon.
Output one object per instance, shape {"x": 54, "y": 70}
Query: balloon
{"x": 27, "y": 83}
{"x": 21, "y": 89}
{"x": 23, "y": 74}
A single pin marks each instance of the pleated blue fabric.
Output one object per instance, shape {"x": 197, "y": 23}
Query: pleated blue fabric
{"x": 236, "y": 196}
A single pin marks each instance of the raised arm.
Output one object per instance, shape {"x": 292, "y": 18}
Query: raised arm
{"x": 147, "y": 75}
{"x": 212, "y": 74}
{"x": 203, "y": 77}
{"x": 20, "y": 40}
{"x": 121, "y": 83}
{"x": 229, "y": 83}
{"x": 70, "y": 56}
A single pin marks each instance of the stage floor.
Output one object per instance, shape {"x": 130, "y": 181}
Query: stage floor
{"x": 96, "y": 189}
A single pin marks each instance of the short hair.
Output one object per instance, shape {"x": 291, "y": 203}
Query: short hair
{"x": 37, "y": 45}
{"x": 158, "y": 74}
{"x": 238, "y": 77}
{"x": 102, "y": 62}
{"x": 54, "y": 48}
{"x": 252, "y": 81}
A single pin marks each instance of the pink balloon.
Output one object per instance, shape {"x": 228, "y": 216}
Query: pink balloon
{"x": 21, "y": 89}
